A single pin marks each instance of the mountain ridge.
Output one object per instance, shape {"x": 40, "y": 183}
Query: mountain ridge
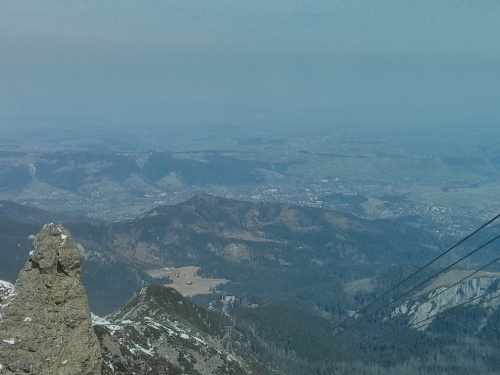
{"x": 161, "y": 329}
{"x": 261, "y": 248}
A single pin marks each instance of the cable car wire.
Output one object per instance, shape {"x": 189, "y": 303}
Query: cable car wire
{"x": 419, "y": 285}
{"x": 356, "y": 313}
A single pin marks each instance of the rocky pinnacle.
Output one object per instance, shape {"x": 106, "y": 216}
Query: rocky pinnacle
{"x": 45, "y": 325}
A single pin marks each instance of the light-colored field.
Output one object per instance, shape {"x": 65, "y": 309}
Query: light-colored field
{"x": 363, "y": 285}
{"x": 375, "y": 208}
{"x": 185, "y": 280}
{"x": 482, "y": 195}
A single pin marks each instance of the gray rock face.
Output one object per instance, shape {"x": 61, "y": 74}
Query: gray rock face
{"x": 45, "y": 325}
{"x": 446, "y": 297}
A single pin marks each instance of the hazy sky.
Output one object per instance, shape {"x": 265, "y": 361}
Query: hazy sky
{"x": 250, "y": 62}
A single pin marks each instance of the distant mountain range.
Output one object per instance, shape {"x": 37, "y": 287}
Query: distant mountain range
{"x": 266, "y": 249}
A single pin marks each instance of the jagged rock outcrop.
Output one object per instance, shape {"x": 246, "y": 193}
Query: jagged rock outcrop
{"x": 45, "y": 326}
{"x": 441, "y": 298}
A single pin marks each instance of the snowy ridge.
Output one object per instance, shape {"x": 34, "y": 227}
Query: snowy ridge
{"x": 167, "y": 327}
{"x": 160, "y": 330}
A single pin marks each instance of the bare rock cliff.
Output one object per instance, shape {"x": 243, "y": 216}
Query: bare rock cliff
{"x": 45, "y": 325}
{"x": 446, "y": 297}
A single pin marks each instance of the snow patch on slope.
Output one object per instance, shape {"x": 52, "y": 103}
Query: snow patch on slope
{"x": 6, "y": 294}
{"x": 6, "y": 287}
{"x": 98, "y": 321}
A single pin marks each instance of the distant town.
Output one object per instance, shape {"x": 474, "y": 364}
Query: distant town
{"x": 439, "y": 219}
